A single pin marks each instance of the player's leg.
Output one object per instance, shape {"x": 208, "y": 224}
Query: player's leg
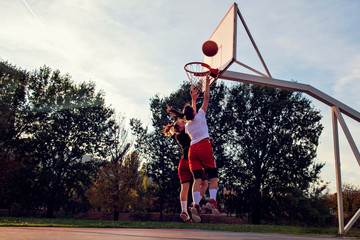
{"x": 196, "y": 169}
{"x": 195, "y": 210}
{"x": 212, "y": 204}
{"x": 208, "y": 161}
{"x": 185, "y": 179}
{"x": 204, "y": 185}
{"x": 196, "y": 190}
{"x": 184, "y": 201}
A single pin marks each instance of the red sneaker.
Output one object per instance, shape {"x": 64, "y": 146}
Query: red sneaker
{"x": 213, "y": 206}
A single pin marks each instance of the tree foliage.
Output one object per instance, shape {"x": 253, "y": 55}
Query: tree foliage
{"x": 13, "y": 83}
{"x": 55, "y": 123}
{"x": 273, "y": 137}
{"x": 351, "y": 200}
{"x": 115, "y": 187}
{"x": 265, "y": 143}
{"x": 161, "y": 154}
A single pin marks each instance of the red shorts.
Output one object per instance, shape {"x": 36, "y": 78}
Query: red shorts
{"x": 201, "y": 156}
{"x": 185, "y": 174}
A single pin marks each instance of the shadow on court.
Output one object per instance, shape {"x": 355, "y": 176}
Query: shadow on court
{"x": 48, "y": 233}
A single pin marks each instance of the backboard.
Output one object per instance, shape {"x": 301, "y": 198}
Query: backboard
{"x": 225, "y": 37}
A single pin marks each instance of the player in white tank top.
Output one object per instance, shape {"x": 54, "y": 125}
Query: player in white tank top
{"x": 197, "y": 129}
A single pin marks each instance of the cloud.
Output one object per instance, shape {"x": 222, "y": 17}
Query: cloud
{"x": 348, "y": 85}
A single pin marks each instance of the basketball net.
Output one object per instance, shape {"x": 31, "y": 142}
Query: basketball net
{"x": 197, "y": 73}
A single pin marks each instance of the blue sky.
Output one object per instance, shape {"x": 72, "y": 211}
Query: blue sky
{"x": 135, "y": 49}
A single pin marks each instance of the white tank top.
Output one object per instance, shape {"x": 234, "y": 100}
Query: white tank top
{"x": 197, "y": 128}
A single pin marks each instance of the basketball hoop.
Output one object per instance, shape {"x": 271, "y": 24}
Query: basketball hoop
{"x": 197, "y": 73}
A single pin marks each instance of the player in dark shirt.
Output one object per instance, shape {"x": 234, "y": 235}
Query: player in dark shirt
{"x": 178, "y": 130}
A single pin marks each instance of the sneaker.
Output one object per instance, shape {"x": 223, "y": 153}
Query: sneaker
{"x": 195, "y": 213}
{"x": 200, "y": 209}
{"x": 212, "y": 205}
{"x": 185, "y": 217}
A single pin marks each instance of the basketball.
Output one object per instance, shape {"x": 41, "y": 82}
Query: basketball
{"x": 210, "y": 48}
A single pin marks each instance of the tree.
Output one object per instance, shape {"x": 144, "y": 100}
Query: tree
{"x": 145, "y": 191}
{"x": 160, "y": 156}
{"x": 13, "y": 82}
{"x": 272, "y": 136}
{"x": 57, "y": 123}
{"x": 351, "y": 200}
{"x": 115, "y": 187}
{"x": 71, "y": 121}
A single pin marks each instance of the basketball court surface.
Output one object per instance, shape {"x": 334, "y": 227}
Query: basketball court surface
{"x": 49, "y": 233}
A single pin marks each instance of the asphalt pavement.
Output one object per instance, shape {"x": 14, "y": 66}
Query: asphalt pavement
{"x": 55, "y": 233}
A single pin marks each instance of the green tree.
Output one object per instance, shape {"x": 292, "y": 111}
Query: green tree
{"x": 145, "y": 189}
{"x": 115, "y": 187}
{"x": 70, "y": 121}
{"x": 13, "y": 82}
{"x": 15, "y": 117}
{"x": 160, "y": 156}
{"x": 54, "y": 124}
{"x": 273, "y": 137}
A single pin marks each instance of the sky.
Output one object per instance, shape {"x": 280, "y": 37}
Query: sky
{"x": 136, "y": 49}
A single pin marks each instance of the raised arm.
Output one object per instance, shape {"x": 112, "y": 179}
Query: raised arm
{"x": 206, "y": 94}
{"x": 194, "y": 95}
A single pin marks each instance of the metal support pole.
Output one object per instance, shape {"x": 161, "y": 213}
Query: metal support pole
{"x": 253, "y": 42}
{"x": 338, "y": 172}
{"x": 347, "y": 134}
{"x": 352, "y": 221}
{"x": 357, "y": 156}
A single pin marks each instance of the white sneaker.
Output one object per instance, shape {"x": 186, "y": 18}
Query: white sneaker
{"x": 213, "y": 206}
{"x": 185, "y": 217}
{"x": 195, "y": 213}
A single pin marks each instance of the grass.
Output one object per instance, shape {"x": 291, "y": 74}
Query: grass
{"x": 71, "y": 223}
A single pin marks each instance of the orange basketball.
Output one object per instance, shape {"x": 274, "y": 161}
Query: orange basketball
{"x": 210, "y": 48}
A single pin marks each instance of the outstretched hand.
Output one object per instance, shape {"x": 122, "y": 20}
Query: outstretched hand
{"x": 194, "y": 94}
